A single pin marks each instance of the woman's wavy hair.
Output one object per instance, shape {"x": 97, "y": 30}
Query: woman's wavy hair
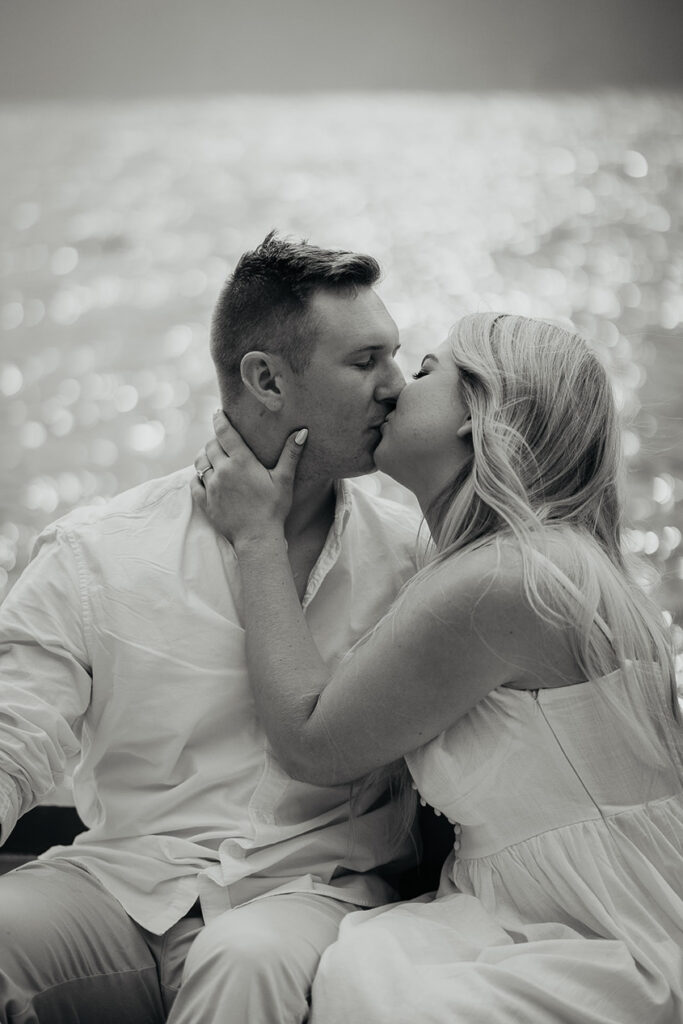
{"x": 546, "y": 464}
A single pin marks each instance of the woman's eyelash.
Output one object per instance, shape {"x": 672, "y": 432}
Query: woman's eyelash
{"x": 420, "y": 373}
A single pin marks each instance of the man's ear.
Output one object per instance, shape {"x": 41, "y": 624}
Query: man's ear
{"x": 261, "y": 374}
{"x": 465, "y": 430}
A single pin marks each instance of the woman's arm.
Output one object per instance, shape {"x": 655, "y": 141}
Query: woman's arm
{"x": 459, "y": 635}
{"x": 424, "y": 666}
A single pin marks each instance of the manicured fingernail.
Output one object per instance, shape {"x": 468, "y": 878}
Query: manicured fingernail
{"x": 301, "y": 436}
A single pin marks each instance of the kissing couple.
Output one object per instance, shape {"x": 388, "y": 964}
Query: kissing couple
{"x": 258, "y": 673}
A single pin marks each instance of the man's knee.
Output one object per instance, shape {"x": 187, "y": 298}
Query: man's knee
{"x": 65, "y": 944}
{"x": 257, "y": 962}
{"x": 26, "y": 936}
{"x": 238, "y": 944}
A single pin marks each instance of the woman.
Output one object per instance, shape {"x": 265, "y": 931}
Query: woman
{"x": 525, "y": 677}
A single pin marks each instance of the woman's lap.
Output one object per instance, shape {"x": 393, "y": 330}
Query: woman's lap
{"x": 448, "y": 960}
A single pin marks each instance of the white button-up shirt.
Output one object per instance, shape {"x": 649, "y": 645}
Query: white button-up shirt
{"x": 122, "y": 652}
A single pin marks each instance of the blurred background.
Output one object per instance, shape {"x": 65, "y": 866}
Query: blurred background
{"x": 517, "y": 155}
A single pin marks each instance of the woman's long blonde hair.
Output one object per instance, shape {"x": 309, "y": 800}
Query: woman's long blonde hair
{"x": 546, "y": 462}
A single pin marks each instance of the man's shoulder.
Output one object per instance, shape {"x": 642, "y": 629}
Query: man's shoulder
{"x": 153, "y": 498}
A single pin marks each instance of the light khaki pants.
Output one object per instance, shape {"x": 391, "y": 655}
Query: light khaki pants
{"x": 69, "y": 954}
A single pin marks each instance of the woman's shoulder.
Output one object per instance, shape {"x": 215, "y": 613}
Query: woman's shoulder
{"x": 492, "y": 570}
{"x": 503, "y": 561}
{"x": 475, "y": 592}
{"x": 486, "y": 591}
{"x": 502, "y": 570}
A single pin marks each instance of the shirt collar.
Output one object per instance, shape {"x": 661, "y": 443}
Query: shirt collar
{"x": 332, "y": 547}
{"x": 342, "y": 508}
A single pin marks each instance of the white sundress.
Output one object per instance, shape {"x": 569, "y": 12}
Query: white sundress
{"x": 563, "y": 900}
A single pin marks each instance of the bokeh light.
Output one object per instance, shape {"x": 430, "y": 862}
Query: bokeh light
{"x": 124, "y": 220}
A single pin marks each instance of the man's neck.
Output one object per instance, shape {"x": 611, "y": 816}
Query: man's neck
{"x": 312, "y": 511}
{"x": 307, "y": 528}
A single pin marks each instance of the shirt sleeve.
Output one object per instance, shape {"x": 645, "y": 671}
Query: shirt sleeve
{"x": 45, "y": 678}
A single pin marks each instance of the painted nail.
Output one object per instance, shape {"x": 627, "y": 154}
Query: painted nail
{"x": 301, "y": 436}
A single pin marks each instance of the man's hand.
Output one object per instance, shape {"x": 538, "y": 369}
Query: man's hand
{"x": 243, "y": 500}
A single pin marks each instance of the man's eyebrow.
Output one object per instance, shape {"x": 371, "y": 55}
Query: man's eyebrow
{"x": 376, "y": 348}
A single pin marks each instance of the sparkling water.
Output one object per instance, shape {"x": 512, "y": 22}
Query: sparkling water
{"x": 124, "y": 220}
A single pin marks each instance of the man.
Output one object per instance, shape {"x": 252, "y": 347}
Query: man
{"x": 207, "y": 882}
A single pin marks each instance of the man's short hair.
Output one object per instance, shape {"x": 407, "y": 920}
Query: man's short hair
{"x": 264, "y": 305}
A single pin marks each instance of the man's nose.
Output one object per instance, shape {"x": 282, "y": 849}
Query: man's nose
{"x": 391, "y": 386}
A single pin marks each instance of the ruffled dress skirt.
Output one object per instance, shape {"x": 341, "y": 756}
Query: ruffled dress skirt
{"x": 563, "y": 898}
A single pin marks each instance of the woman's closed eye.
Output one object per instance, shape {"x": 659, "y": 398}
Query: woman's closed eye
{"x": 420, "y": 373}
